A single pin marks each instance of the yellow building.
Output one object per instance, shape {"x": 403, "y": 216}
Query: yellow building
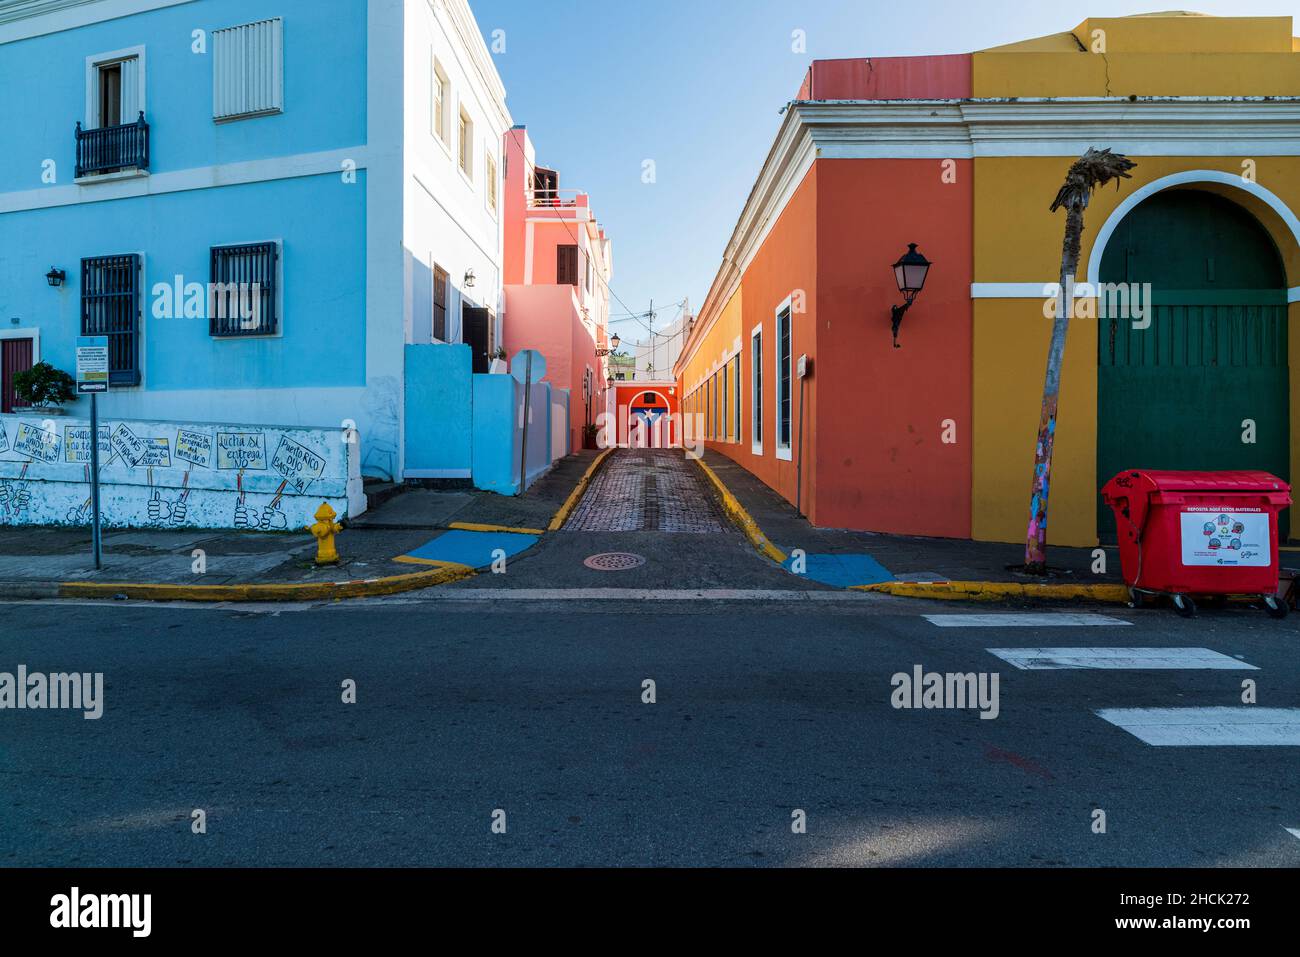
{"x": 1183, "y": 351}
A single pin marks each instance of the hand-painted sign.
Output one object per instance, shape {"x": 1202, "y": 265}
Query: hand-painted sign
{"x": 4, "y": 438}
{"x": 157, "y": 453}
{"x": 241, "y": 450}
{"x": 297, "y": 463}
{"x": 129, "y": 446}
{"x": 194, "y": 447}
{"x": 36, "y": 443}
{"x": 76, "y": 443}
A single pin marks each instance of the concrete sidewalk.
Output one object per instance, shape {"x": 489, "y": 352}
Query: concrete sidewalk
{"x": 42, "y": 561}
{"x": 901, "y": 558}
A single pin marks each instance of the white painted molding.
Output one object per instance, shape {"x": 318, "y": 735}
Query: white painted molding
{"x": 25, "y": 19}
{"x": 1180, "y": 179}
{"x": 18, "y": 332}
{"x": 1025, "y": 290}
{"x": 177, "y": 181}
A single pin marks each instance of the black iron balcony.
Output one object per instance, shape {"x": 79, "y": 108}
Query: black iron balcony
{"x": 112, "y": 148}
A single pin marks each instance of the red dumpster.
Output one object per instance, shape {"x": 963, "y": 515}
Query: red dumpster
{"x": 1199, "y": 533}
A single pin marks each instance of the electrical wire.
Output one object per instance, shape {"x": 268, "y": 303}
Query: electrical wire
{"x": 563, "y": 222}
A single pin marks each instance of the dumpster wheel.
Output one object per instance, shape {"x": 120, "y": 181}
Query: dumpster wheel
{"x": 1184, "y": 605}
{"x": 1276, "y": 607}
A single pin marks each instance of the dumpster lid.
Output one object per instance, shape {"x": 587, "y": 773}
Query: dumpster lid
{"x": 1170, "y": 481}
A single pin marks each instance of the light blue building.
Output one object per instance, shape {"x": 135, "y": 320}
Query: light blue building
{"x": 262, "y": 203}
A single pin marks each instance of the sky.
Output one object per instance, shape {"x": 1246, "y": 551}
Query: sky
{"x": 696, "y": 86}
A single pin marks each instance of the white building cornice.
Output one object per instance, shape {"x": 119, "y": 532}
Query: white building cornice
{"x": 989, "y": 128}
{"x": 24, "y": 19}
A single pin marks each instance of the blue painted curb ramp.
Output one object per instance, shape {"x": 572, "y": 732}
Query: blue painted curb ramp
{"x": 473, "y": 549}
{"x": 842, "y": 571}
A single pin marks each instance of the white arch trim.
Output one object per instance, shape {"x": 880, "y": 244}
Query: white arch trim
{"x": 662, "y": 397}
{"x": 1177, "y": 179}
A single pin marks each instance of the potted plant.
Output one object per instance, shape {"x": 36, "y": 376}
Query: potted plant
{"x": 498, "y": 363}
{"x": 43, "y": 389}
{"x": 589, "y": 433}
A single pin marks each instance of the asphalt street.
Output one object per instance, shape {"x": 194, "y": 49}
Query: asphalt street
{"x": 531, "y": 701}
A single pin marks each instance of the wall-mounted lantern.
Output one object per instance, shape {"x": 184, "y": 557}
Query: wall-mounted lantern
{"x": 469, "y": 279}
{"x": 609, "y": 381}
{"x": 909, "y": 272}
{"x": 55, "y": 277}
{"x": 614, "y": 342}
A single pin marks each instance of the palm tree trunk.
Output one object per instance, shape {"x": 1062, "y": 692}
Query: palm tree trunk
{"x": 1036, "y": 535}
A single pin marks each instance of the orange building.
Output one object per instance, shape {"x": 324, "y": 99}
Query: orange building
{"x": 962, "y": 156}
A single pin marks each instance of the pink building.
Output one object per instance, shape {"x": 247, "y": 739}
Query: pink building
{"x": 557, "y": 272}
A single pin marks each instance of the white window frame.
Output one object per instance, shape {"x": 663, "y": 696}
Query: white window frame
{"x": 784, "y": 452}
{"x": 725, "y": 382}
{"x": 755, "y": 390}
{"x": 465, "y": 141}
{"x": 491, "y": 182}
{"x": 93, "y": 63}
{"x": 438, "y": 80}
{"x": 737, "y": 397}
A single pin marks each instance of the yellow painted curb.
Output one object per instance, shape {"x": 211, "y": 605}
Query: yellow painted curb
{"x": 472, "y": 527}
{"x": 736, "y": 512}
{"x": 998, "y": 591}
{"x": 572, "y": 501}
{"x": 304, "y": 591}
{"x": 412, "y": 560}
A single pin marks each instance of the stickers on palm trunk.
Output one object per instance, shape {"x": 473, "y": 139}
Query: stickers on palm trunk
{"x": 1237, "y": 538}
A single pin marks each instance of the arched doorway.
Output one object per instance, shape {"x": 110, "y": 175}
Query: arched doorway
{"x": 649, "y": 413}
{"x": 1182, "y": 392}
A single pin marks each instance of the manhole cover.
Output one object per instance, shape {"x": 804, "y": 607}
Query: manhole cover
{"x": 614, "y": 562}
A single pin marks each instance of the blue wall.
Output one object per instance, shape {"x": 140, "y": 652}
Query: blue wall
{"x": 496, "y": 450}
{"x": 324, "y": 87}
{"x": 321, "y": 223}
{"x": 439, "y": 393}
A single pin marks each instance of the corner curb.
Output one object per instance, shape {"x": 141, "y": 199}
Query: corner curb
{"x": 736, "y": 512}
{"x": 474, "y": 527}
{"x": 28, "y": 591}
{"x": 947, "y": 590}
{"x": 305, "y": 591}
{"x": 575, "y": 496}
{"x": 999, "y": 591}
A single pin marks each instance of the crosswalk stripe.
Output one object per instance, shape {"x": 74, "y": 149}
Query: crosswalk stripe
{"x": 1029, "y": 620}
{"x": 1294, "y": 831}
{"x": 1119, "y": 659}
{"x": 1217, "y": 726}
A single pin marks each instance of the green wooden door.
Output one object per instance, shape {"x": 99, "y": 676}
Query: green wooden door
{"x": 1174, "y": 395}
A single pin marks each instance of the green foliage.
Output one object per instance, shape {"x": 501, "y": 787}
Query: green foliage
{"x": 43, "y": 385}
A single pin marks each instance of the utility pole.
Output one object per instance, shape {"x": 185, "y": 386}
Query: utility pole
{"x": 650, "y": 364}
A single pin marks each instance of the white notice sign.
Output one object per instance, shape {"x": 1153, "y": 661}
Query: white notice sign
{"x": 1237, "y": 538}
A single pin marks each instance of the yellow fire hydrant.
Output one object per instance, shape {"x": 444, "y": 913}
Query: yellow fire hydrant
{"x": 324, "y": 530}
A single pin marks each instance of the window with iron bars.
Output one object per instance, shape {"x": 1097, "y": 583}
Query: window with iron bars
{"x": 242, "y": 294}
{"x": 110, "y": 306}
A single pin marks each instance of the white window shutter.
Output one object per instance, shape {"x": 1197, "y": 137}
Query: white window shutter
{"x": 130, "y": 90}
{"x": 248, "y": 69}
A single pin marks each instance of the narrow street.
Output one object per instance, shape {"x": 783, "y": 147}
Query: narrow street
{"x": 647, "y": 490}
